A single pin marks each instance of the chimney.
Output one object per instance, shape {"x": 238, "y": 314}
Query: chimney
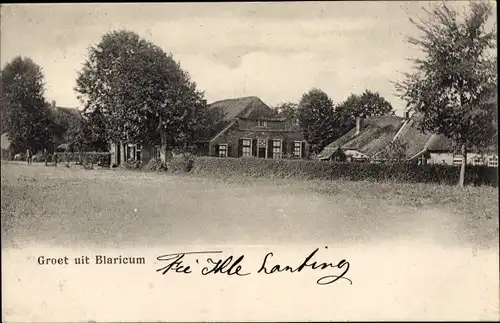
{"x": 358, "y": 125}
{"x": 407, "y": 114}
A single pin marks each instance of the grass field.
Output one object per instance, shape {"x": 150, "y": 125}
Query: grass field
{"x": 73, "y": 205}
{"x": 417, "y": 252}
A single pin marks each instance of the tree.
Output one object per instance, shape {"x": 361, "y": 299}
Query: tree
{"x": 213, "y": 121}
{"x": 367, "y": 104}
{"x": 316, "y": 119}
{"x": 288, "y": 110}
{"x": 394, "y": 152}
{"x": 455, "y": 76}
{"x": 140, "y": 92}
{"x": 90, "y": 135}
{"x": 26, "y": 117}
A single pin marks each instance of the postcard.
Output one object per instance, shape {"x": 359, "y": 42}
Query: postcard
{"x": 267, "y": 161}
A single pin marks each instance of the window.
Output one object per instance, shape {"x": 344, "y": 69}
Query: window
{"x": 297, "y": 149}
{"x": 247, "y": 148}
{"x": 493, "y": 161}
{"x": 477, "y": 161}
{"x": 223, "y": 150}
{"x": 130, "y": 152}
{"x": 157, "y": 152}
{"x": 134, "y": 152}
{"x": 276, "y": 148}
{"x": 138, "y": 152}
{"x": 457, "y": 160}
{"x": 422, "y": 160}
{"x": 262, "y": 123}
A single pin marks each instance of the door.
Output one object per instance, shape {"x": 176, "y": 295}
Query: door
{"x": 118, "y": 154}
{"x": 262, "y": 148}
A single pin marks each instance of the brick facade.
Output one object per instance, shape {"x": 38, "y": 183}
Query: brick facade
{"x": 251, "y": 129}
{"x": 265, "y": 138}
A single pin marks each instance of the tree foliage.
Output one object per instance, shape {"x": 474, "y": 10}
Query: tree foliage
{"x": 139, "y": 92}
{"x": 288, "y": 110}
{"x": 364, "y": 105}
{"x": 316, "y": 118}
{"x": 26, "y": 118}
{"x": 455, "y": 76}
{"x": 213, "y": 121}
{"x": 394, "y": 152}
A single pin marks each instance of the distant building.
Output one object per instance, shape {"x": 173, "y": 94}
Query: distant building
{"x": 370, "y": 139}
{"x": 250, "y": 129}
{"x": 253, "y": 130}
{"x": 437, "y": 149}
{"x": 370, "y": 136}
{"x": 67, "y": 118}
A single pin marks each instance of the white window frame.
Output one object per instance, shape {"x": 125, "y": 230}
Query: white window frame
{"x": 226, "y": 150}
{"x": 478, "y": 160}
{"x": 422, "y": 159}
{"x": 262, "y": 123}
{"x": 138, "y": 149}
{"x": 457, "y": 160}
{"x": 130, "y": 151}
{"x": 493, "y": 161}
{"x": 300, "y": 149}
{"x": 243, "y": 146}
{"x": 280, "y": 153}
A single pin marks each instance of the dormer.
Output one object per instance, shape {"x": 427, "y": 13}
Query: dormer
{"x": 262, "y": 123}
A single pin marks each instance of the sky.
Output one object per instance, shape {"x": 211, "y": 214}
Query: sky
{"x": 275, "y": 51}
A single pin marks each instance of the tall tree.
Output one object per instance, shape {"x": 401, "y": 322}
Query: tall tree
{"x": 141, "y": 92}
{"x": 316, "y": 119}
{"x": 26, "y": 116}
{"x": 364, "y": 105}
{"x": 455, "y": 76}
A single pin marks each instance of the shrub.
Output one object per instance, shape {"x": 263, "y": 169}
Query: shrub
{"x": 38, "y": 158}
{"x": 312, "y": 169}
{"x": 182, "y": 163}
{"x": 133, "y": 164}
{"x": 155, "y": 165}
{"x": 83, "y": 158}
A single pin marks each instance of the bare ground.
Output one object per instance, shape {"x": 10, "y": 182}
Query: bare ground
{"x": 418, "y": 252}
{"x": 116, "y": 207}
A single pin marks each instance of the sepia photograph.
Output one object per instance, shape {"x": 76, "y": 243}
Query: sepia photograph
{"x": 249, "y": 161}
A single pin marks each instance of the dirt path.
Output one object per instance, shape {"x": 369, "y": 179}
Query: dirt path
{"x": 413, "y": 256}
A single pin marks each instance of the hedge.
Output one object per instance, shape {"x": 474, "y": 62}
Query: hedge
{"x": 312, "y": 169}
{"x": 84, "y": 158}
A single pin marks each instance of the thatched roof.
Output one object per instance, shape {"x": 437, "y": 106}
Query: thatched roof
{"x": 375, "y": 134}
{"x": 245, "y": 107}
{"x": 414, "y": 139}
{"x": 417, "y": 141}
{"x": 5, "y": 141}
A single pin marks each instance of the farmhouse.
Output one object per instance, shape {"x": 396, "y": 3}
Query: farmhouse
{"x": 373, "y": 136}
{"x": 69, "y": 119}
{"x": 253, "y": 130}
{"x": 437, "y": 149}
{"x": 249, "y": 128}
{"x": 370, "y": 136}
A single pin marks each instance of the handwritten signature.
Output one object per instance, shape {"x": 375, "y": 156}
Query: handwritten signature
{"x": 233, "y": 266}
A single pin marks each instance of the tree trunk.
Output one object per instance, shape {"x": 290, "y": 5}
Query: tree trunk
{"x": 462, "y": 167}
{"x": 163, "y": 140}
{"x": 123, "y": 154}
